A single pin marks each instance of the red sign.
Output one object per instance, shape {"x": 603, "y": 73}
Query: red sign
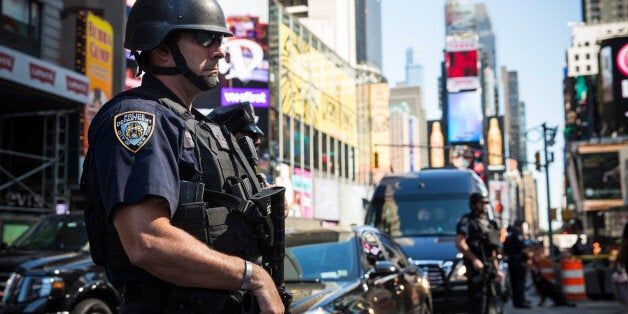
{"x": 622, "y": 60}
{"x": 42, "y": 74}
{"x": 7, "y": 62}
{"x": 76, "y": 86}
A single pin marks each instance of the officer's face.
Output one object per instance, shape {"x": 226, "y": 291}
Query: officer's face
{"x": 202, "y": 51}
{"x": 480, "y": 206}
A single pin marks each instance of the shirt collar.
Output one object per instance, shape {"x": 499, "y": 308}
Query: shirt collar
{"x": 150, "y": 81}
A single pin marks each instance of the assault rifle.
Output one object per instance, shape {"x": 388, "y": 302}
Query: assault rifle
{"x": 271, "y": 203}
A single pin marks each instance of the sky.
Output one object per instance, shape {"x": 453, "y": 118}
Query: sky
{"x": 531, "y": 38}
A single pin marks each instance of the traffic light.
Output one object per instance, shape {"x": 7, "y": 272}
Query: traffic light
{"x": 537, "y": 160}
{"x": 375, "y": 160}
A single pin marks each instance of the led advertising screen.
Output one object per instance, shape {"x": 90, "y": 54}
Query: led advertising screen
{"x": 244, "y": 71}
{"x": 461, "y": 65}
{"x": 464, "y": 117}
{"x": 613, "y": 108}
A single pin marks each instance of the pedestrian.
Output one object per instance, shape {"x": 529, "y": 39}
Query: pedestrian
{"x": 166, "y": 189}
{"x": 478, "y": 240}
{"x": 517, "y": 264}
{"x": 619, "y": 279}
{"x": 581, "y": 248}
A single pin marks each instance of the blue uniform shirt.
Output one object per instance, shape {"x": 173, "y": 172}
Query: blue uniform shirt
{"x": 138, "y": 150}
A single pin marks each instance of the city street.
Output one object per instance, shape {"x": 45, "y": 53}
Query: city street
{"x": 609, "y": 306}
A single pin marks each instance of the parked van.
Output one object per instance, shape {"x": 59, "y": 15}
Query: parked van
{"x": 421, "y": 210}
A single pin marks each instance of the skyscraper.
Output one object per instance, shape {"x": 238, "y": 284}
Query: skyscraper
{"x": 368, "y": 28}
{"x": 604, "y": 11}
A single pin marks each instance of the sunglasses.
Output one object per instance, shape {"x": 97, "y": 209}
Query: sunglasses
{"x": 208, "y": 39}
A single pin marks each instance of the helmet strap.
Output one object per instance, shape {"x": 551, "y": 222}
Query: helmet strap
{"x": 203, "y": 83}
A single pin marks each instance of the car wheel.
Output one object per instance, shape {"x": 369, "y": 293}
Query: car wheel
{"x": 92, "y": 306}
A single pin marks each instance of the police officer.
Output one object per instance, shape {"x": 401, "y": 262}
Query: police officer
{"x": 478, "y": 239}
{"x": 517, "y": 264}
{"x": 164, "y": 186}
{"x": 240, "y": 119}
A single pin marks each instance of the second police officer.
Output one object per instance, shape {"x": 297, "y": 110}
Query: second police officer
{"x": 478, "y": 240}
{"x": 166, "y": 189}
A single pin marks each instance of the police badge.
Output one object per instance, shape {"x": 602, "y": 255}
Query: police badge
{"x": 134, "y": 129}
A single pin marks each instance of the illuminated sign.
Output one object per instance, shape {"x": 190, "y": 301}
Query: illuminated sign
{"x": 464, "y": 117}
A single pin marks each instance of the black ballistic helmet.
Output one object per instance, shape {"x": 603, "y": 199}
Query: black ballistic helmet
{"x": 150, "y": 21}
{"x": 237, "y": 117}
{"x": 477, "y": 197}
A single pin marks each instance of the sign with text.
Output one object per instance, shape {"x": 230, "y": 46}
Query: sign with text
{"x": 23, "y": 69}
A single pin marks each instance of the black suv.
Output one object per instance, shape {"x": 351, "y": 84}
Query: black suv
{"x": 49, "y": 269}
{"x": 421, "y": 210}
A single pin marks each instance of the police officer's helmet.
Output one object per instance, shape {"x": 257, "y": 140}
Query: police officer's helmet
{"x": 477, "y": 197}
{"x": 150, "y": 21}
{"x": 237, "y": 117}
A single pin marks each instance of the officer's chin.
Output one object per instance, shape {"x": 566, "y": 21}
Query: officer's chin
{"x": 209, "y": 82}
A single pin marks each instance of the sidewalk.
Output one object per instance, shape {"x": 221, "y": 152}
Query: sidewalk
{"x": 607, "y": 306}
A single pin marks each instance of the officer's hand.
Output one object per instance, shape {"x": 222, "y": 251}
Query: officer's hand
{"x": 499, "y": 276}
{"x": 263, "y": 287}
{"x": 478, "y": 265}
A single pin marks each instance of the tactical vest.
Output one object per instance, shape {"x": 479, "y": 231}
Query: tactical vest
{"x": 214, "y": 204}
{"x": 483, "y": 237}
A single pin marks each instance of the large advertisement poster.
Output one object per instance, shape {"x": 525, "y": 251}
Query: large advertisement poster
{"x": 613, "y": 108}
{"x": 459, "y": 18}
{"x": 98, "y": 59}
{"x": 464, "y": 117}
{"x": 600, "y": 170}
{"x": 495, "y": 143}
{"x": 314, "y": 85}
{"x": 437, "y": 144}
{"x": 244, "y": 71}
{"x": 461, "y": 65}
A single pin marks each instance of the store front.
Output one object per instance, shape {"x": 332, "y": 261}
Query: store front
{"x": 41, "y": 111}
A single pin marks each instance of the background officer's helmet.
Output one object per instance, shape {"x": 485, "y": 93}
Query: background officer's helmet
{"x": 476, "y": 197}
{"x": 150, "y": 21}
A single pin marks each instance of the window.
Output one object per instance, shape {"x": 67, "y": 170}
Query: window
{"x": 21, "y": 17}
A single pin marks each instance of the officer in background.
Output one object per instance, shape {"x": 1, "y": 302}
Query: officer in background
{"x": 478, "y": 240}
{"x": 166, "y": 189}
{"x": 517, "y": 264}
{"x": 241, "y": 121}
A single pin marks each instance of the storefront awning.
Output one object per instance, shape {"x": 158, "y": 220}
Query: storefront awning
{"x": 23, "y": 69}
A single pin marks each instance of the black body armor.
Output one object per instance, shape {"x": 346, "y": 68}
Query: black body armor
{"x": 214, "y": 204}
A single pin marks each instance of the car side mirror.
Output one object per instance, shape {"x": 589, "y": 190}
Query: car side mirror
{"x": 383, "y": 268}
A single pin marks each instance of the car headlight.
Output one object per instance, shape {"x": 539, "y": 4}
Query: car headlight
{"x": 459, "y": 273}
{"x": 29, "y": 288}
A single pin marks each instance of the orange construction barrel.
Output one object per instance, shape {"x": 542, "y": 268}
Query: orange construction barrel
{"x": 573, "y": 279}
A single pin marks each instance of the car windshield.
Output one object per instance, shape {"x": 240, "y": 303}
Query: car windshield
{"x": 408, "y": 216}
{"x": 54, "y": 234}
{"x": 330, "y": 261}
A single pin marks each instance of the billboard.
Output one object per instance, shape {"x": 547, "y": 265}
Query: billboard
{"x": 495, "y": 143}
{"x": 437, "y": 144}
{"x": 316, "y": 86}
{"x": 600, "y": 175}
{"x": 459, "y": 18}
{"x": 613, "y": 107}
{"x": 461, "y": 65}
{"x": 244, "y": 71}
{"x": 464, "y": 117}
{"x": 95, "y": 39}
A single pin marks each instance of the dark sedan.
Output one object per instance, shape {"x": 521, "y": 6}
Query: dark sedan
{"x": 359, "y": 270}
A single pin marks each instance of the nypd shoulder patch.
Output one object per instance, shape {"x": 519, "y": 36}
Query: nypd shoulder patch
{"x": 134, "y": 129}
